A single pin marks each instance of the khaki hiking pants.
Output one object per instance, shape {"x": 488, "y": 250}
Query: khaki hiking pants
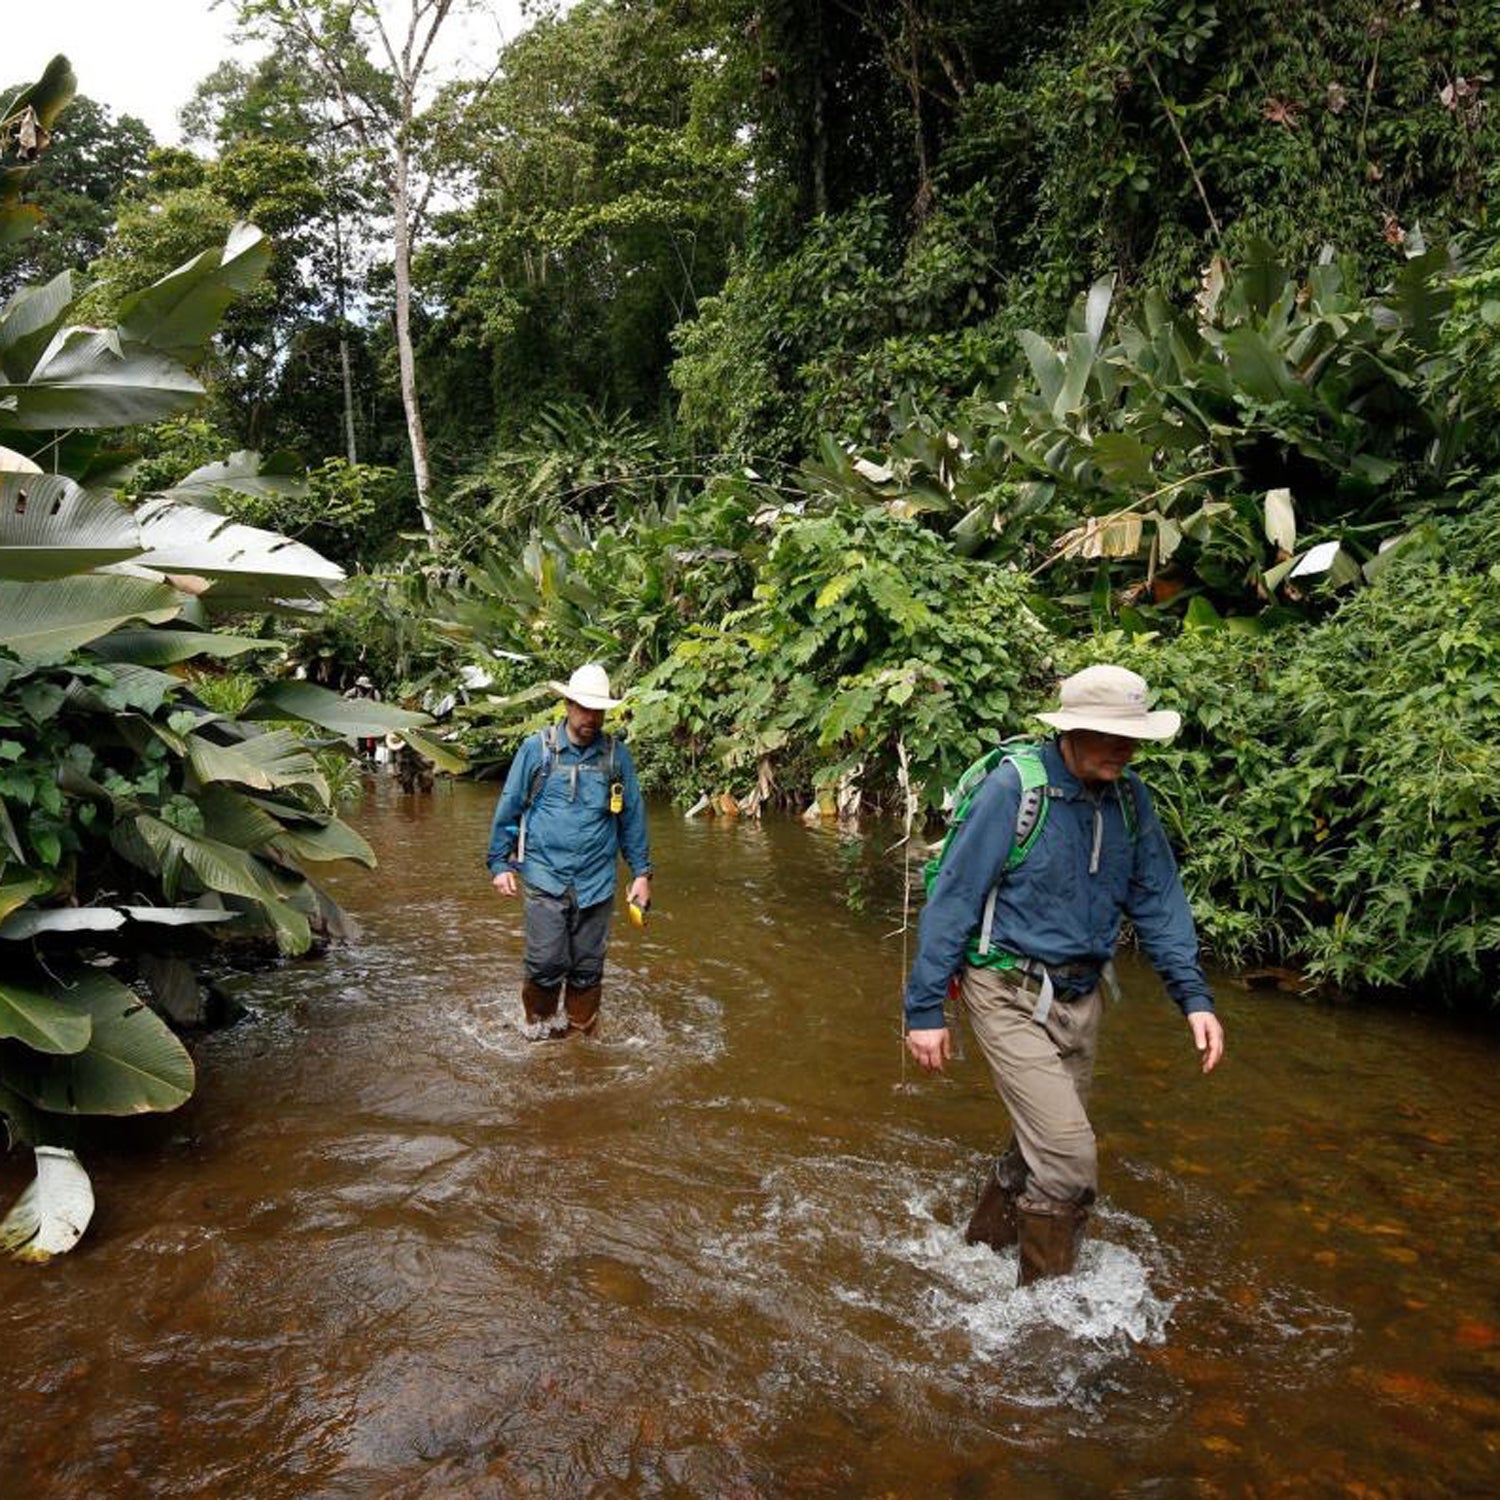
{"x": 1044, "y": 1072}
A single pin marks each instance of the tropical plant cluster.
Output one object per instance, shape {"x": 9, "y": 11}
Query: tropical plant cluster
{"x": 838, "y": 373}
{"x": 137, "y": 822}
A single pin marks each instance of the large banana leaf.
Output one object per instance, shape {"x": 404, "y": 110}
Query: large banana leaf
{"x": 51, "y": 528}
{"x": 44, "y": 621}
{"x": 281, "y": 475}
{"x": 179, "y": 314}
{"x": 319, "y": 705}
{"x": 265, "y": 761}
{"x": 448, "y": 758}
{"x": 165, "y": 648}
{"x": 132, "y": 1064}
{"x": 87, "y": 377}
{"x": 18, "y": 891}
{"x": 50, "y": 95}
{"x": 188, "y": 539}
{"x": 336, "y": 841}
{"x": 42, "y": 1022}
{"x": 24, "y": 925}
{"x": 50, "y": 1216}
{"x": 230, "y": 871}
{"x": 29, "y": 321}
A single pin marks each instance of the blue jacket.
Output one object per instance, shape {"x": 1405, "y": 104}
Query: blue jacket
{"x": 1064, "y": 904}
{"x": 572, "y": 838}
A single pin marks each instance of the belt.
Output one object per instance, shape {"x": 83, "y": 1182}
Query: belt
{"x": 1069, "y": 973}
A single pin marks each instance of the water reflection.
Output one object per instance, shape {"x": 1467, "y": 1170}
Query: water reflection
{"x": 393, "y": 1248}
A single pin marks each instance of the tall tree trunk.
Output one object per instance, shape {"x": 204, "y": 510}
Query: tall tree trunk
{"x": 339, "y": 292}
{"x": 401, "y": 208}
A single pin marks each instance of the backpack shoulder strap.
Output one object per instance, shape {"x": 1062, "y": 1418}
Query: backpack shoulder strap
{"x": 547, "y": 740}
{"x": 1130, "y": 804}
{"x": 1031, "y": 810}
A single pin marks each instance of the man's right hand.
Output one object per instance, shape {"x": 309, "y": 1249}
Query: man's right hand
{"x": 505, "y": 883}
{"x": 930, "y": 1048}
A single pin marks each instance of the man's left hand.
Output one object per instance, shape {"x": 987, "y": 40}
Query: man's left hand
{"x": 1208, "y": 1037}
{"x": 640, "y": 891}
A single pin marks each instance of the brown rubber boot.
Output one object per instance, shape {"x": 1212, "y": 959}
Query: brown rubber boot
{"x": 994, "y": 1220}
{"x": 583, "y": 1009}
{"x": 1049, "y": 1240}
{"x": 539, "y": 1001}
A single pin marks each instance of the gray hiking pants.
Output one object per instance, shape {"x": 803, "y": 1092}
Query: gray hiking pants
{"x": 565, "y": 941}
{"x": 1043, "y": 1072}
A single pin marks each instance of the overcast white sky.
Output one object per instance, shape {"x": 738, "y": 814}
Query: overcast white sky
{"x": 145, "y": 57}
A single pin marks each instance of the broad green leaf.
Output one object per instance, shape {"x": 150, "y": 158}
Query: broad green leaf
{"x": 1262, "y": 277}
{"x": 188, "y": 539}
{"x": 1076, "y": 371}
{"x": 180, "y": 313}
{"x": 17, "y": 891}
{"x": 1096, "y": 310}
{"x": 50, "y": 1216}
{"x": 51, "y": 528}
{"x": 445, "y": 757}
{"x": 1281, "y": 520}
{"x": 1123, "y": 458}
{"x": 165, "y": 648}
{"x": 87, "y": 378}
{"x": 264, "y": 761}
{"x": 1045, "y": 365}
{"x": 1259, "y": 368}
{"x": 232, "y": 817}
{"x": 44, "y": 621}
{"x": 223, "y": 868}
{"x": 132, "y": 1064}
{"x": 50, "y": 95}
{"x": 1168, "y": 538}
{"x": 334, "y": 842}
{"x": 327, "y": 709}
{"x": 42, "y": 1022}
{"x": 1201, "y": 615}
{"x": 29, "y": 322}
{"x": 245, "y": 473}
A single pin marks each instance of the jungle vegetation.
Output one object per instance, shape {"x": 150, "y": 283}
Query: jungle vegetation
{"x": 840, "y": 373}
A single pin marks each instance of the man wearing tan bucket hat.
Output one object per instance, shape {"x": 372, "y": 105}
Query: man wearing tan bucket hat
{"x": 571, "y": 806}
{"x": 1028, "y": 914}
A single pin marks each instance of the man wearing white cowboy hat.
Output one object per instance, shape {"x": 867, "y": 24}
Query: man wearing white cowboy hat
{"x": 571, "y": 806}
{"x": 1028, "y": 913}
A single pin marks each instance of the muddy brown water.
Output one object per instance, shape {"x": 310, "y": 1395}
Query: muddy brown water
{"x": 391, "y": 1248}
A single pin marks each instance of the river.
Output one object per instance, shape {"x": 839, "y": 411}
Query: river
{"x": 391, "y": 1248}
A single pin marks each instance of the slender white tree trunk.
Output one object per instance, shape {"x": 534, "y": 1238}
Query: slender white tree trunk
{"x": 401, "y": 206}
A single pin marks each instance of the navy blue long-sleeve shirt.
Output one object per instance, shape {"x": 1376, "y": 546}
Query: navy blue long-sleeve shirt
{"x": 572, "y": 838}
{"x": 1062, "y": 905}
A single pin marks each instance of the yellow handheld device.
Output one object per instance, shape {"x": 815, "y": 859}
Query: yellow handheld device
{"x": 637, "y": 913}
{"x": 617, "y": 797}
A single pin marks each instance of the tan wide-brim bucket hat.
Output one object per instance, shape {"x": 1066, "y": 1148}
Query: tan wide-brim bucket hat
{"x": 1111, "y": 700}
{"x": 588, "y": 687}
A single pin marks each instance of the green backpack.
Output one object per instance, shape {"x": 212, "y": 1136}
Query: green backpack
{"x": 1025, "y": 755}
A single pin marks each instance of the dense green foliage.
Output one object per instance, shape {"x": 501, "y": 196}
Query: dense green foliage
{"x": 839, "y": 373}
{"x": 1335, "y": 792}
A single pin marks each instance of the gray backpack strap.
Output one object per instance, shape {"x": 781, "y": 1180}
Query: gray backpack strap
{"x": 548, "y": 739}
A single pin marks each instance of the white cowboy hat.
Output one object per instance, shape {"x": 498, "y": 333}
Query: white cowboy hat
{"x": 1111, "y": 700}
{"x": 588, "y": 687}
